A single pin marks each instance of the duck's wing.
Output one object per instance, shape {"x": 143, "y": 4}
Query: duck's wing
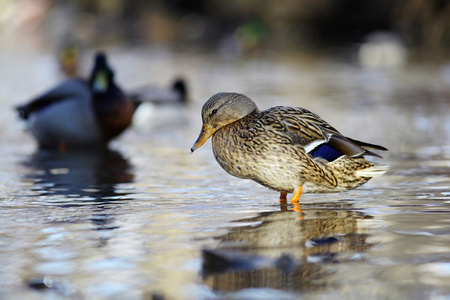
{"x": 296, "y": 126}
{"x": 69, "y": 89}
{"x": 300, "y": 127}
{"x": 353, "y": 148}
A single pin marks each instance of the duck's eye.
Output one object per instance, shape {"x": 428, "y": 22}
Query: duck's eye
{"x": 214, "y": 111}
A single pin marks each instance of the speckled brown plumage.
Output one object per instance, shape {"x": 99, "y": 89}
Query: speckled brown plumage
{"x": 273, "y": 147}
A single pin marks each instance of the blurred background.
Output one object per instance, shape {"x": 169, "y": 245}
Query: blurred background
{"x": 133, "y": 221}
{"x": 234, "y": 26}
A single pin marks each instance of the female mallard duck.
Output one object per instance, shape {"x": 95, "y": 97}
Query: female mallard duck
{"x": 79, "y": 113}
{"x": 69, "y": 59}
{"x": 287, "y": 149}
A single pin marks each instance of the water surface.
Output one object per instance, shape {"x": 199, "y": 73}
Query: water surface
{"x": 131, "y": 222}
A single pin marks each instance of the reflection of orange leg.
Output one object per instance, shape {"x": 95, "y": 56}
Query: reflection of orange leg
{"x": 283, "y": 199}
{"x": 296, "y": 207}
{"x": 62, "y": 146}
{"x": 294, "y": 200}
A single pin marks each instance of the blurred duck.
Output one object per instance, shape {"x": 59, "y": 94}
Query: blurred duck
{"x": 160, "y": 107}
{"x": 177, "y": 93}
{"x": 382, "y": 50}
{"x": 69, "y": 60}
{"x": 287, "y": 149}
{"x": 79, "y": 113}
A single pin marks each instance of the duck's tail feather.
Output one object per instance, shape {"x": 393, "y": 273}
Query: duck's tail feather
{"x": 375, "y": 171}
{"x": 368, "y": 145}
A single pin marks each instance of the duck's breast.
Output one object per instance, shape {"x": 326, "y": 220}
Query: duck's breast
{"x": 270, "y": 164}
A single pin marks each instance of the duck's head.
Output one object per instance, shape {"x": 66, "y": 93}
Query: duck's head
{"x": 179, "y": 86}
{"x": 69, "y": 59}
{"x": 102, "y": 75}
{"x": 220, "y": 110}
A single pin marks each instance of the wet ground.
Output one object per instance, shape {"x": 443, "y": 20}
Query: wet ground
{"x": 133, "y": 222}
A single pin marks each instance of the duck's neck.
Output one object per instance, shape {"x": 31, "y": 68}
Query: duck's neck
{"x": 248, "y": 119}
{"x": 238, "y": 126}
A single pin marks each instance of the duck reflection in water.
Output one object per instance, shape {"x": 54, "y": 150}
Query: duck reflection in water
{"x": 82, "y": 177}
{"x": 286, "y": 252}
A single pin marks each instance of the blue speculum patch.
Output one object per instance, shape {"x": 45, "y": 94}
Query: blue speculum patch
{"x": 326, "y": 152}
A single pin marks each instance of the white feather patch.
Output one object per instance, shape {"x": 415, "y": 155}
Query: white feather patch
{"x": 375, "y": 171}
{"x": 313, "y": 145}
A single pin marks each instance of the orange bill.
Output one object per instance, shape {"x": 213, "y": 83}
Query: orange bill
{"x": 205, "y": 134}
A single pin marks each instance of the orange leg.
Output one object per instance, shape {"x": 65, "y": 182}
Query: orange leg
{"x": 294, "y": 200}
{"x": 297, "y": 195}
{"x": 283, "y": 199}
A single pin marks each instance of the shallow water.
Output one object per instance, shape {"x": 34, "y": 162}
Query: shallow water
{"x": 131, "y": 222}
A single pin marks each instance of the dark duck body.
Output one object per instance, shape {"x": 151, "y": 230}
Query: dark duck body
{"x": 287, "y": 149}
{"x": 80, "y": 113}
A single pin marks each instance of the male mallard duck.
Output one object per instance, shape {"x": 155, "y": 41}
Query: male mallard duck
{"x": 78, "y": 113}
{"x": 287, "y": 149}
